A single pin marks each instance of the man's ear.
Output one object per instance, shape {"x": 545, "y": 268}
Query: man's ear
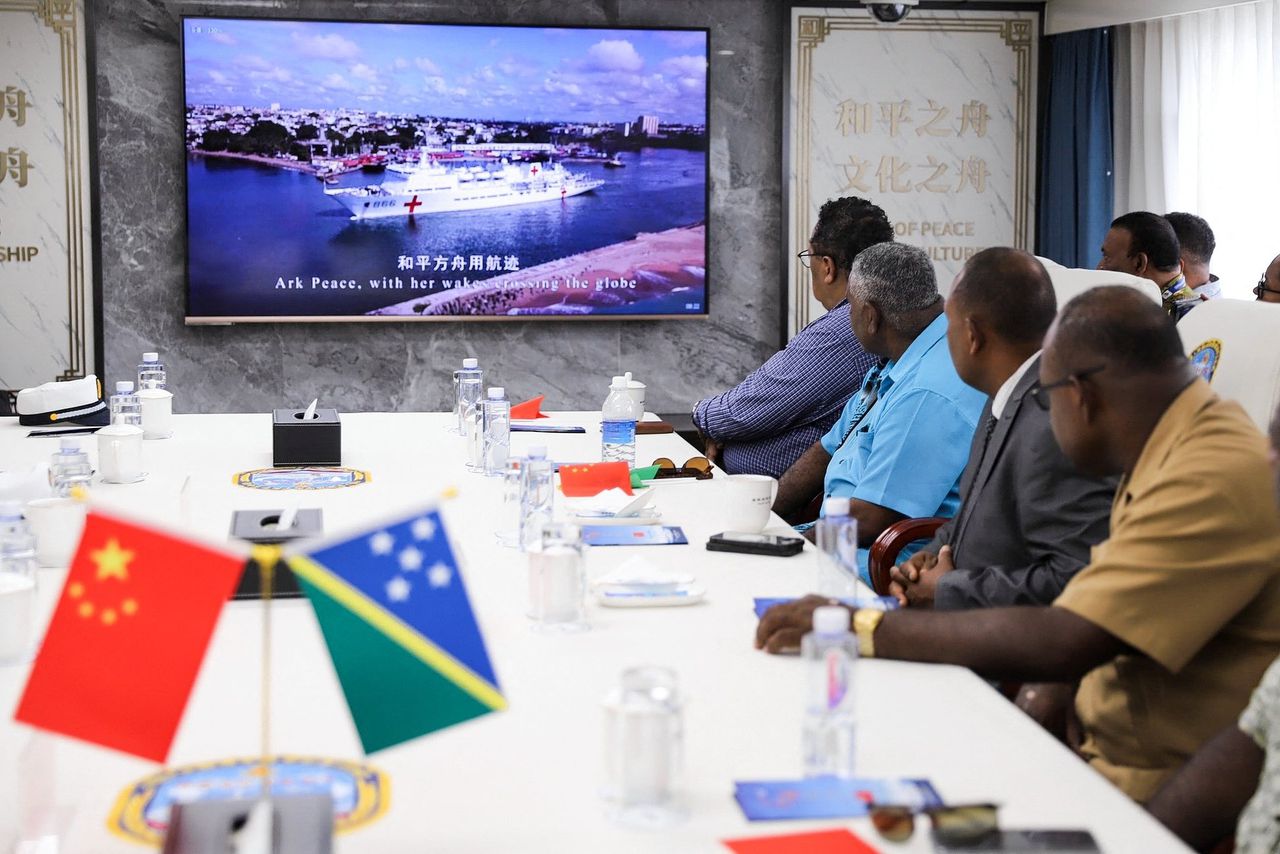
{"x": 975, "y": 335}
{"x": 829, "y": 273}
{"x": 1141, "y": 263}
{"x": 872, "y": 318}
{"x": 1084, "y": 395}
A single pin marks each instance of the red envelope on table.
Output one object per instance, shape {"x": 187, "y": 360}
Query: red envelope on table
{"x": 583, "y": 480}
{"x": 819, "y": 842}
{"x": 529, "y": 409}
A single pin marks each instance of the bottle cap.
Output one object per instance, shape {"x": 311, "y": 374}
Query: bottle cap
{"x": 835, "y": 506}
{"x": 831, "y": 620}
{"x": 538, "y": 452}
{"x": 497, "y": 392}
{"x": 618, "y": 382}
{"x": 470, "y": 364}
{"x": 150, "y": 357}
{"x": 67, "y": 445}
{"x": 124, "y": 387}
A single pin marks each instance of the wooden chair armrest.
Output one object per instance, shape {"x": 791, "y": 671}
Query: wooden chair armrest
{"x": 892, "y": 540}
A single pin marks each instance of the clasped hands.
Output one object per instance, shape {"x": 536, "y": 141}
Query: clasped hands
{"x": 914, "y": 582}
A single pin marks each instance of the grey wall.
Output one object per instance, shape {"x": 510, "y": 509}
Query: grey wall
{"x": 407, "y": 366}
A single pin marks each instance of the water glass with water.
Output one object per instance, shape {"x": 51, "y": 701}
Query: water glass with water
{"x": 511, "y": 515}
{"x": 17, "y": 586}
{"x": 558, "y": 580}
{"x": 644, "y": 745}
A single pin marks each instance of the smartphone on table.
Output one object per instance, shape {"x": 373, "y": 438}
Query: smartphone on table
{"x": 755, "y": 544}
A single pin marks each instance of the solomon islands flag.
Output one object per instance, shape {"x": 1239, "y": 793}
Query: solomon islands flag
{"x": 399, "y": 626}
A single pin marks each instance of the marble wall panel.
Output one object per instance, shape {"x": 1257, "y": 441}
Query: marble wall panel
{"x": 934, "y": 118}
{"x": 408, "y": 366}
{"x": 46, "y": 268}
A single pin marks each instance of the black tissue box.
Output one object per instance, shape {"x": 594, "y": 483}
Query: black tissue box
{"x": 258, "y": 526}
{"x": 295, "y": 442}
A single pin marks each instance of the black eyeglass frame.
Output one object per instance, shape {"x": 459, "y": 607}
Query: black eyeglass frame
{"x": 1040, "y": 393}
{"x": 1261, "y": 288}
{"x": 804, "y": 255}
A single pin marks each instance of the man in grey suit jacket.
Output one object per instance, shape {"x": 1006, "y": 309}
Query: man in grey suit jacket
{"x": 1027, "y": 518}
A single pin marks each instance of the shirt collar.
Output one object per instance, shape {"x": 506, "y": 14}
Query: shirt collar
{"x": 1001, "y": 399}
{"x": 1168, "y": 430}
{"x": 898, "y": 368}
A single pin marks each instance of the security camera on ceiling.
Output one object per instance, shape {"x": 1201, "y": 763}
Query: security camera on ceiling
{"x": 891, "y": 13}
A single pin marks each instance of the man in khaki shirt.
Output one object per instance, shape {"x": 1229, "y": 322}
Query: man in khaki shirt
{"x": 1177, "y": 616}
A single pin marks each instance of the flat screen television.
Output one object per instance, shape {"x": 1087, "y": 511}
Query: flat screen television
{"x": 401, "y": 171}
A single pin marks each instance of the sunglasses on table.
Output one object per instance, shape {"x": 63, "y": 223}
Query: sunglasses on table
{"x": 1040, "y": 393}
{"x": 1261, "y": 288}
{"x": 698, "y": 467}
{"x": 954, "y": 825}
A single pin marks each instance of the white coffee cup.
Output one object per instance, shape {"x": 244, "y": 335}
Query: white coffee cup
{"x": 57, "y": 524}
{"x": 157, "y": 413}
{"x": 750, "y": 500}
{"x": 120, "y": 453}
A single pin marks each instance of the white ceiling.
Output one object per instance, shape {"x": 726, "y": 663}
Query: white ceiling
{"x": 1063, "y": 16}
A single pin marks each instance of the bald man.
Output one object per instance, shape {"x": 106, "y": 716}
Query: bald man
{"x": 1177, "y": 615}
{"x": 1027, "y": 518}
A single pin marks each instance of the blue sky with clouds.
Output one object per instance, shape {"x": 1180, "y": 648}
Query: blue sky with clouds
{"x": 503, "y": 73}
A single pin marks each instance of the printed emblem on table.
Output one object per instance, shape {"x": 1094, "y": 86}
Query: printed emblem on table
{"x": 310, "y": 477}
{"x": 360, "y": 792}
{"x": 1205, "y": 358}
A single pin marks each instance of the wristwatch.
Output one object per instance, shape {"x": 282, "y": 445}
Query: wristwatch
{"x": 865, "y": 622}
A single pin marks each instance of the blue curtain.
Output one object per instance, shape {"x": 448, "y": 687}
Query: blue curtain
{"x": 1076, "y": 188}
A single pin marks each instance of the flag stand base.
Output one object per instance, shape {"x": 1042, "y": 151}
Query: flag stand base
{"x": 303, "y": 825}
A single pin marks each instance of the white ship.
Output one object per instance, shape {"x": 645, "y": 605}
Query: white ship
{"x": 429, "y": 188}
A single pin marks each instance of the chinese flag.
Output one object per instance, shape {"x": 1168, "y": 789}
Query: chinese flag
{"x": 586, "y": 479}
{"x": 127, "y": 637}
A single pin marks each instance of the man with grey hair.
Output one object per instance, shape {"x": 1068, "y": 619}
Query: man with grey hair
{"x": 899, "y": 447}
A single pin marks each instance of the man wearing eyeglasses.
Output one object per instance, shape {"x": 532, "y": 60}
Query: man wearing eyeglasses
{"x": 764, "y": 423}
{"x": 898, "y": 448}
{"x": 1027, "y": 518}
{"x": 1268, "y": 287}
{"x": 1177, "y": 615}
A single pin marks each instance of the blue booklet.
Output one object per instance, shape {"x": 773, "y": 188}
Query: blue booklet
{"x": 633, "y": 535}
{"x": 829, "y": 797}
{"x": 879, "y": 603}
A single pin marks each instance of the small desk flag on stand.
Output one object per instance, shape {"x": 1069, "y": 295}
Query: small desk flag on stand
{"x": 399, "y": 626}
{"x": 127, "y": 637}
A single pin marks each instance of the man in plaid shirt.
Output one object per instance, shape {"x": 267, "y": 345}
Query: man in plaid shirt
{"x": 764, "y": 423}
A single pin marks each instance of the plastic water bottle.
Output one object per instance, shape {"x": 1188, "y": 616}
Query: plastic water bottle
{"x": 125, "y": 406}
{"x": 151, "y": 372}
{"x": 69, "y": 467}
{"x": 17, "y": 585}
{"x": 830, "y": 650}
{"x": 497, "y": 431}
{"x": 472, "y": 416}
{"x": 470, "y": 370}
{"x": 836, "y": 536}
{"x": 618, "y": 419}
{"x": 537, "y": 495}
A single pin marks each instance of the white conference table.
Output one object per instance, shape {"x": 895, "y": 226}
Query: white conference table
{"x": 526, "y": 779}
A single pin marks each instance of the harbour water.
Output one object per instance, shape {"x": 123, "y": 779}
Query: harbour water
{"x": 251, "y": 226}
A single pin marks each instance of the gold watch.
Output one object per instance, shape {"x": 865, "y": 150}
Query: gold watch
{"x": 865, "y": 622}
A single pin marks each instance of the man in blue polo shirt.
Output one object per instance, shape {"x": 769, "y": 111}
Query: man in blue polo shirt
{"x": 898, "y": 448}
